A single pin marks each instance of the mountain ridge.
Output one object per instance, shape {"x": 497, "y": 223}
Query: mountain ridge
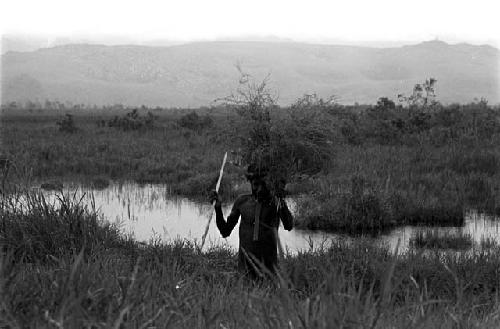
{"x": 194, "y": 74}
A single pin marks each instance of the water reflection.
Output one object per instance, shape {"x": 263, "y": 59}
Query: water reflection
{"x": 149, "y": 211}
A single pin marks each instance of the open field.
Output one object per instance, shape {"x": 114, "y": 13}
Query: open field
{"x": 93, "y": 277}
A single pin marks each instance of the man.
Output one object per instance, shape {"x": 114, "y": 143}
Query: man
{"x": 260, "y": 215}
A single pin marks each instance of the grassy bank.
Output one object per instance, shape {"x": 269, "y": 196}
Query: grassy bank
{"x": 98, "y": 278}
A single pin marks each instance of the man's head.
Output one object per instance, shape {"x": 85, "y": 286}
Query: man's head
{"x": 256, "y": 175}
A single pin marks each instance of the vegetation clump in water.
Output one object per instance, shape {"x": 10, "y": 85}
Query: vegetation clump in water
{"x": 53, "y": 185}
{"x": 432, "y": 239}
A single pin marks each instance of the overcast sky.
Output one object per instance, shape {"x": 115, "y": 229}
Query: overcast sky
{"x": 475, "y": 21}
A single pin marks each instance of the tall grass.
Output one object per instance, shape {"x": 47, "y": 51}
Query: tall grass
{"x": 35, "y": 230}
{"x": 125, "y": 284}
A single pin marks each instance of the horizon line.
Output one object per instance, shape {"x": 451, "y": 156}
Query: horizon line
{"x": 123, "y": 40}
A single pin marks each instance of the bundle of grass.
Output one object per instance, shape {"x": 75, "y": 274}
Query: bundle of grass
{"x": 287, "y": 144}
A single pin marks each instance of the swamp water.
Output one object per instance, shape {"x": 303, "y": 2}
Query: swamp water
{"x": 151, "y": 212}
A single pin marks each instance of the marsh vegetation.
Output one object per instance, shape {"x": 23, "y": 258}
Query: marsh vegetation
{"x": 352, "y": 169}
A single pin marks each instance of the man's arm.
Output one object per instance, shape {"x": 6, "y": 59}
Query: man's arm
{"x": 226, "y": 227}
{"x": 285, "y": 215}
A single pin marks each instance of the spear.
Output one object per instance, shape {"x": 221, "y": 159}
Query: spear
{"x": 213, "y": 203}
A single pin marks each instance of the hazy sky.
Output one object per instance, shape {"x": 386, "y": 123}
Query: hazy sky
{"x": 313, "y": 20}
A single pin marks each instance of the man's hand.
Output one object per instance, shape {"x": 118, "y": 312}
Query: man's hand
{"x": 284, "y": 214}
{"x": 280, "y": 202}
{"x": 280, "y": 189}
{"x": 214, "y": 197}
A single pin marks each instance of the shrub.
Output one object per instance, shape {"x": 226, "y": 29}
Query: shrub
{"x": 419, "y": 121}
{"x": 133, "y": 121}
{"x": 67, "y": 124}
{"x": 195, "y": 122}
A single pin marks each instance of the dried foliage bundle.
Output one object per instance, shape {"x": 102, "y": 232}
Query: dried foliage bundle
{"x": 284, "y": 142}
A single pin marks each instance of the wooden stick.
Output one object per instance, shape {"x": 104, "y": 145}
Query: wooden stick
{"x": 281, "y": 252}
{"x": 213, "y": 203}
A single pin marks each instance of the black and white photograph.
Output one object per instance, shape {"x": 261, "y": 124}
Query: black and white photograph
{"x": 249, "y": 164}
